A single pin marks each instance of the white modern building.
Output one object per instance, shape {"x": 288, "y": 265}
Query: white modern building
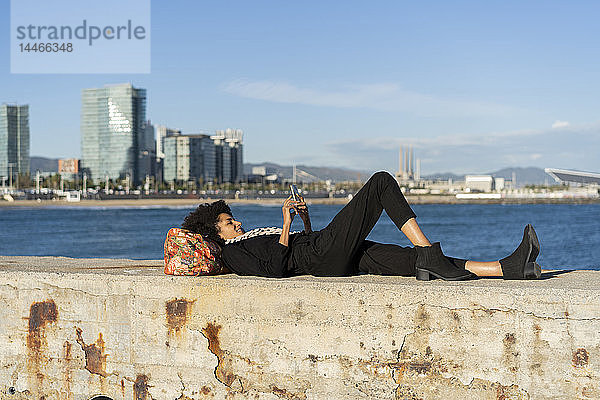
{"x": 479, "y": 183}
{"x": 189, "y": 158}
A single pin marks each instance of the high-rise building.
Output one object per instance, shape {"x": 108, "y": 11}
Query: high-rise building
{"x": 161, "y": 133}
{"x": 229, "y": 155}
{"x": 222, "y": 158}
{"x": 147, "y": 153}
{"x": 189, "y": 158}
{"x": 148, "y": 143}
{"x": 113, "y": 132}
{"x": 14, "y": 141}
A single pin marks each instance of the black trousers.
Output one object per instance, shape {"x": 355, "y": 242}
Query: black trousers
{"x": 340, "y": 249}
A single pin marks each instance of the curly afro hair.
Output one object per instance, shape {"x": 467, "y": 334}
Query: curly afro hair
{"x": 203, "y": 220}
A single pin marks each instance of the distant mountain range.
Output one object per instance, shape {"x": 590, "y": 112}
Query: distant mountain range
{"x": 43, "y": 164}
{"x": 524, "y": 176}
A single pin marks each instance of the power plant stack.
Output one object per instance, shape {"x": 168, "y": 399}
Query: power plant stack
{"x": 406, "y": 171}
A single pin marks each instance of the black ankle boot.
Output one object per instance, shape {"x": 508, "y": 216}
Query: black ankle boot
{"x": 431, "y": 262}
{"x": 521, "y": 263}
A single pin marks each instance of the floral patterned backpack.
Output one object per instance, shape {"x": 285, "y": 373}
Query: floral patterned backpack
{"x": 188, "y": 253}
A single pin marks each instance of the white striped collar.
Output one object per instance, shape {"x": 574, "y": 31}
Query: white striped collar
{"x": 257, "y": 232}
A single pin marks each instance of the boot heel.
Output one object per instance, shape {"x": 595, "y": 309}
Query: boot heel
{"x": 532, "y": 270}
{"x": 423, "y": 275}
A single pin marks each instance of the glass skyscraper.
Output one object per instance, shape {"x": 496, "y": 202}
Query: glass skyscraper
{"x": 14, "y": 141}
{"x": 112, "y": 130}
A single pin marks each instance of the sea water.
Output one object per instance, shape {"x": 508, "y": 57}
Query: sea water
{"x": 569, "y": 234}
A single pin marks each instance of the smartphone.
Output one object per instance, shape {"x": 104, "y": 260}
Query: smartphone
{"x": 295, "y": 196}
{"x": 295, "y": 193}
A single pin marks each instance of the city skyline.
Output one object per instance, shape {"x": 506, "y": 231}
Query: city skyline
{"x": 118, "y": 142}
{"x": 472, "y": 87}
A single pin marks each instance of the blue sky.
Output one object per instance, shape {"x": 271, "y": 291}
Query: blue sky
{"x": 474, "y": 86}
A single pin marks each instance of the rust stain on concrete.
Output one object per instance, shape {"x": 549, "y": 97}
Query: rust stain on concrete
{"x": 211, "y": 332}
{"x": 140, "y": 388}
{"x": 67, "y": 349}
{"x": 95, "y": 359}
{"x": 421, "y": 317}
{"x": 421, "y": 373}
{"x": 282, "y": 393}
{"x": 539, "y": 352}
{"x": 205, "y": 390}
{"x": 177, "y": 312}
{"x": 40, "y": 315}
{"x": 510, "y": 353}
{"x": 507, "y": 392}
{"x": 67, "y": 376}
{"x": 589, "y": 393}
{"x": 223, "y": 371}
{"x": 420, "y": 367}
{"x": 580, "y": 357}
{"x": 509, "y": 339}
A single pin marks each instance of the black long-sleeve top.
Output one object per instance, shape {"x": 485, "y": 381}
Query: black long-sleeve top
{"x": 259, "y": 256}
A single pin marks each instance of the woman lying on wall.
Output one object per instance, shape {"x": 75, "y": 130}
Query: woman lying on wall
{"x": 341, "y": 248}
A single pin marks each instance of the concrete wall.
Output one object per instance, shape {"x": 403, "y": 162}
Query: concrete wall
{"x": 73, "y": 328}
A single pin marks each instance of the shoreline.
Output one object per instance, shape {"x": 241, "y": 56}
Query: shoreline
{"x": 333, "y": 201}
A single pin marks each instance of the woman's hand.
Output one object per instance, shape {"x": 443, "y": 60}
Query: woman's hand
{"x": 288, "y": 217}
{"x": 303, "y": 212}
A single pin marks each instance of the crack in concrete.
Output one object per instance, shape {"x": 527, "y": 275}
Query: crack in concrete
{"x": 395, "y": 378}
{"x": 403, "y": 342}
{"x": 9, "y": 286}
{"x": 510, "y": 310}
{"x": 483, "y": 308}
{"x": 45, "y": 286}
{"x": 361, "y": 390}
{"x": 182, "y": 384}
{"x": 407, "y": 305}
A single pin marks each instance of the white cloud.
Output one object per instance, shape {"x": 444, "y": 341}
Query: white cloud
{"x": 560, "y": 124}
{"x": 380, "y": 96}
